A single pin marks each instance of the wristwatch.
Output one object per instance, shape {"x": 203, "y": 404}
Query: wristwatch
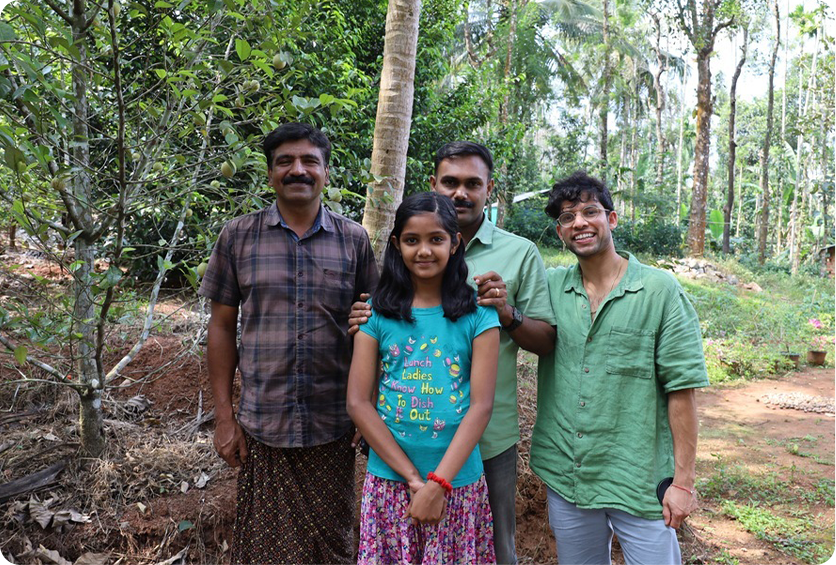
{"x": 516, "y": 321}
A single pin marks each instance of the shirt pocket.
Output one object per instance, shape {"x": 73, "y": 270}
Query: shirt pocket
{"x": 631, "y": 352}
{"x": 338, "y": 287}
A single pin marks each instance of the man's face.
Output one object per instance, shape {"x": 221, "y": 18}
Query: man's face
{"x": 467, "y": 181}
{"x": 298, "y": 172}
{"x": 585, "y": 236}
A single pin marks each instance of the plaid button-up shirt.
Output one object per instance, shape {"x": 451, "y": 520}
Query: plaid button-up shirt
{"x": 295, "y": 295}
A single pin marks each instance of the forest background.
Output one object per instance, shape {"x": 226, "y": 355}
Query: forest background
{"x": 131, "y": 131}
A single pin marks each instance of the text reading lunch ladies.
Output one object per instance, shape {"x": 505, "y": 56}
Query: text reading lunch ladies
{"x": 425, "y": 499}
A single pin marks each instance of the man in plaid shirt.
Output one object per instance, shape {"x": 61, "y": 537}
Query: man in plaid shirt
{"x": 293, "y": 270}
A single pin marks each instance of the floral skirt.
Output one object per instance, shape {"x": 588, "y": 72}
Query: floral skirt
{"x": 464, "y": 535}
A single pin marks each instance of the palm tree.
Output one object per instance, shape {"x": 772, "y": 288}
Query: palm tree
{"x": 394, "y": 118}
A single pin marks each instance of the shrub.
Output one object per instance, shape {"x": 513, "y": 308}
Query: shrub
{"x": 654, "y": 238}
{"x": 529, "y": 220}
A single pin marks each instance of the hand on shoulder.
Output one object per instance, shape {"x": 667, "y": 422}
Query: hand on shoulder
{"x": 360, "y": 313}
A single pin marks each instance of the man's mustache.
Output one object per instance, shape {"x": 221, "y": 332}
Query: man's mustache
{"x": 462, "y": 204}
{"x": 297, "y": 179}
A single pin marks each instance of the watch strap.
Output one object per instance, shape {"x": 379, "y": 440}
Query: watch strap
{"x": 516, "y": 320}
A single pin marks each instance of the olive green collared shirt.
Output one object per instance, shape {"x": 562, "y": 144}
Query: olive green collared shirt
{"x": 602, "y": 437}
{"x": 518, "y": 262}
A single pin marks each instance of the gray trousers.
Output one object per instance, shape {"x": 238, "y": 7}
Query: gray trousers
{"x": 584, "y": 536}
{"x": 501, "y": 476}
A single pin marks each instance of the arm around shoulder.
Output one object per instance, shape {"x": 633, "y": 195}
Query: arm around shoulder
{"x": 537, "y": 333}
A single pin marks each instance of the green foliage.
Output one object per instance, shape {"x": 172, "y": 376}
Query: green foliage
{"x": 747, "y": 333}
{"x": 527, "y": 219}
{"x": 654, "y": 238}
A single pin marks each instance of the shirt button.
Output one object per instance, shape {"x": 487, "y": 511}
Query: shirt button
{"x": 586, "y": 369}
{"x": 300, "y": 305}
{"x": 300, "y": 336}
{"x": 298, "y": 244}
{"x": 583, "y": 306}
{"x": 301, "y": 274}
{"x": 577, "y": 464}
{"x": 580, "y": 434}
{"x": 589, "y": 339}
{"x": 583, "y": 403}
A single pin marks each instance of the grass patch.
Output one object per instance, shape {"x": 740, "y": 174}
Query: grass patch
{"x": 736, "y": 482}
{"x": 556, "y": 257}
{"x": 791, "y": 536}
{"x": 797, "y": 445}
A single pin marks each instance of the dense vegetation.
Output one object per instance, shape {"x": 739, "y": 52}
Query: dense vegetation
{"x": 130, "y": 133}
{"x": 748, "y": 333}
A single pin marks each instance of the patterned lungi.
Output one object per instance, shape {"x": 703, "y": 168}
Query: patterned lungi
{"x": 295, "y": 505}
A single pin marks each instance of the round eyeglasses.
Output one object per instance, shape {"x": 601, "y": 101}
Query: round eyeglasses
{"x": 566, "y": 219}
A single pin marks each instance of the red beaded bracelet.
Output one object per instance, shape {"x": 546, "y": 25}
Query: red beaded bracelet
{"x": 436, "y": 479}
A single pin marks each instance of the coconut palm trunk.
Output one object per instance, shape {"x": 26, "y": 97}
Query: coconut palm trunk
{"x": 393, "y": 121}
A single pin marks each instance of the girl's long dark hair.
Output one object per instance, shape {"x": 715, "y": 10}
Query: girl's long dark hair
{"x": 394, "y": 294}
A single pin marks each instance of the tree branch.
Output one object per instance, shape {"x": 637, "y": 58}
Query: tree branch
{"x": 61, "y": 13}
{"x": 39, "y": 364}
{"x": 721, "y": 26}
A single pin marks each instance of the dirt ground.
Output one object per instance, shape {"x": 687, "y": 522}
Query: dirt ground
{"x": 735, "y": 425}
{"x": 162, "y": 496}
{"x": 740, "y": 430}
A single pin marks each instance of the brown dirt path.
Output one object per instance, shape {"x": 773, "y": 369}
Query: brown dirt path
{"x": 742, "y": 436}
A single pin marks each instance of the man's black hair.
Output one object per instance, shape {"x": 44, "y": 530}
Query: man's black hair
{"x": 464, "y": 149}
{"x": 394, "y": 294}
{"x": 577, "y": 187}
{"x": 295, "y": 131}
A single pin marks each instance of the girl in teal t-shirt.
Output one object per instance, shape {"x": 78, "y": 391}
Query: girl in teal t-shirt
{"x": 424, "y": 498}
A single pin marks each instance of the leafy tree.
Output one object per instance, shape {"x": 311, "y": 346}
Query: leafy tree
{"x": 112, "y": 115}
{"x": 701, "y": 26}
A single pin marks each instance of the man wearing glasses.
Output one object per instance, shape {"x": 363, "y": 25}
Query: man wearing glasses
{"x": 616, "y": 411}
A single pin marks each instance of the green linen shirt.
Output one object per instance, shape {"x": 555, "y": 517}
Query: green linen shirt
{"x": 518, "y": 262}
{"x": 602, "y": 437}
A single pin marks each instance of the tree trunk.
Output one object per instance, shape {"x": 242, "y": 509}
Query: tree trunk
{"x": 779, "y": 191}
{"x": 604, "y": 110}
{"x": 679, "y": 151}
{"x": 634, "y": 160}
{"x": 696, "y": 216}
{"x": 91, "y": 429}
{"x": 701, "y": 29}
{"x": 739, "y": 202}
{"x": 729, "y": 207}
{"x": 764, "y": 227}
{"x": 623, "y": 160}
{"x": 394, "y": 118}
{"x": 798, "y": 199}
{"x": 662, "y": 65}
{"x": 501, "y": 190}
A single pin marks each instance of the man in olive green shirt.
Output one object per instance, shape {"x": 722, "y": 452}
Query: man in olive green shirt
{"x": 509, "y": 275}
{"x": 616, "y": 409}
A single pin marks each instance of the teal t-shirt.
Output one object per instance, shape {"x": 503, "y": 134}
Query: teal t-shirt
{"x": 424, "y": 389}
